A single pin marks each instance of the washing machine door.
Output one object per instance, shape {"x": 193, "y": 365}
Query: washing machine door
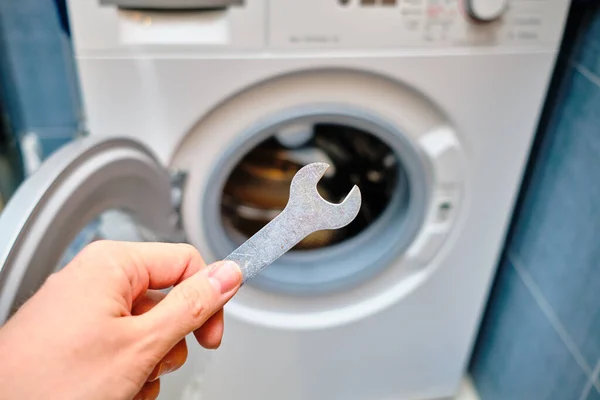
{"x": 90, "y": 189}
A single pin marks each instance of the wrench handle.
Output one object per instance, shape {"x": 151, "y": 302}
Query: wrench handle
{"x": 268, "y": 244}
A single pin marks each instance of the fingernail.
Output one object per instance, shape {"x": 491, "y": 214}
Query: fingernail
{"x": 155, "y": 374}
{"x": 163, "y": 368}
{"x": 225, "y": 276}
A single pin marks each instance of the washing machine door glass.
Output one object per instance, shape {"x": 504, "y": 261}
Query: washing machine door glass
{"x": 90, "y": 189}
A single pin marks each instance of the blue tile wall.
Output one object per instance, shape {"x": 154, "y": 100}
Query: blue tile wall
{"x": 556, "y": 239}
{"x": 37, "y": 71}
{"x": 594, "y": 394}
{"x": 540, "y": 337}
{"x": 514, "y": 323}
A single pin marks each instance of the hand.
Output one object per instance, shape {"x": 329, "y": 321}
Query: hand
{"x": 100, "y": 329}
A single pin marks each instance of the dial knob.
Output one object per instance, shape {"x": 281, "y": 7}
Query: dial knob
{"x": 486, "y": 10}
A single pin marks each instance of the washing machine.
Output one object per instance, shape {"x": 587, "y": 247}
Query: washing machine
{"x": 199, "y": 113}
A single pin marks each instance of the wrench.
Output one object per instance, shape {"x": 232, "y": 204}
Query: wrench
{"x": 306, "y": 212}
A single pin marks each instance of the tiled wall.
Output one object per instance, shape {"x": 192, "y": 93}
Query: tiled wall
{"x": 540, "y": 337}
{"x": 37, "y": 71}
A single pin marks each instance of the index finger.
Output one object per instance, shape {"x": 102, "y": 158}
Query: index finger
{"x": 141, "y": 266}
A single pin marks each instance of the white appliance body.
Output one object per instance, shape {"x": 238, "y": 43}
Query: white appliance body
{"x": 462, "y": 82}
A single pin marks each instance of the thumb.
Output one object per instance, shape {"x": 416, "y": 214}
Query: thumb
{"x": 191, "y": 303}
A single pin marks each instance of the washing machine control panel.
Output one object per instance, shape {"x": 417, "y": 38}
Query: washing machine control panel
{"x": 416, "y": 23}
{"x": 221, "y": 26}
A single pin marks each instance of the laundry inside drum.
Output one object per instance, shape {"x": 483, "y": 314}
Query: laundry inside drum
{"x": 257, "y": 189}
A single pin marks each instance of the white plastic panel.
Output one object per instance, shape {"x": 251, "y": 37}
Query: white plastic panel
{"x": 447, "y": 161}
{"x": 285, "y": 25}
{"x": 181, "y": 28}
{"x": 107, "y": 28}
{"x": 443, "y": 148}
{"x": 431, "y": 24}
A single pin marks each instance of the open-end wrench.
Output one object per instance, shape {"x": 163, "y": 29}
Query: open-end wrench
{"x": 306, "y": 212}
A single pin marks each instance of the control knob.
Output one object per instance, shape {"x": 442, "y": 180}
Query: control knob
{"x": 485, "y": 10}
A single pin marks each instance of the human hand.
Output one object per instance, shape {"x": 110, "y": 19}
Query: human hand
{"x": 100, "y": 329}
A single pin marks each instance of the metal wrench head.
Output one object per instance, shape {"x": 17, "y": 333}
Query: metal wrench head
{"x": 313, "y": 210}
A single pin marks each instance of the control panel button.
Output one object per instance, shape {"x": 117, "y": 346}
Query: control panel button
{"x": 486, "y": 10}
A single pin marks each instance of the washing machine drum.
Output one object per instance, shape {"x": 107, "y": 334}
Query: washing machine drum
{"x": 258, "y": 187}
{"x": 237, "y": 164}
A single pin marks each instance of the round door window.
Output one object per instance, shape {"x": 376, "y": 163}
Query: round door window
{"x": 258, "y": 187}
{"x": 361, "y": 150}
